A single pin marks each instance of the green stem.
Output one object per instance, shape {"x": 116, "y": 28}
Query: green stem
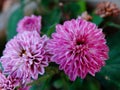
{"x": 45, "y": 77}
{"x": 50, "y": 71}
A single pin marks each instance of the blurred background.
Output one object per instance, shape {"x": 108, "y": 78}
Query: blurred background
{"x": 58, "y": 11}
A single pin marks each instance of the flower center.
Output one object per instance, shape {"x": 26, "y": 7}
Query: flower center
{"x": 29, "y": 22}
{"x": 23, "y": 52}
{"x": 80, "y": 42}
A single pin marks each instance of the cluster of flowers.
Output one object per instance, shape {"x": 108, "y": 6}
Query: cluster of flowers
{"x": 78, "y": 46}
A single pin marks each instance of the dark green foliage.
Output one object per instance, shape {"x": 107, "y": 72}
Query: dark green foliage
{"x": 96, "y": 19}
{"x": 50, "y": 20}
{"x": 110, "y": 73}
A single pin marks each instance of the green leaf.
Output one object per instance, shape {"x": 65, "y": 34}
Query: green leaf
{"x": 74, "y": 8}
{"x": 113, "y": 25}
{"x": 51, "y": 30}
{"x": 47, "y": 4}
{"x": 50, "y": 19}
{"x": 76, "y": 85}
{"x": 110, "y": 73}
{"x": 41, "y": 82}
{"x": 82, "y": 4}
{"x": 44, "y": 82}
{"x": 58, "y": 84}
{"x": 65, "y": 81}
{"x": 13, "y": 21}
{"x": 90, "y": 83}
{"x": 97, "y": 19}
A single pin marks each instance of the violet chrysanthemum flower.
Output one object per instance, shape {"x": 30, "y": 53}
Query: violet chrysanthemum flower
{"x": 79, "y": 47}
{"x": 7, "y": 83}
{"x": 29, "y": 23}
{"x": 25, "y": 56}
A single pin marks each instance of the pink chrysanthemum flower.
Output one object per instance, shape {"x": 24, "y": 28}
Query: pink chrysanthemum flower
{"x": 79, "y": 47}
{"x": 7, "y": 83}
{"x": 25, "y": 56}
{"x": 29, "y": 23}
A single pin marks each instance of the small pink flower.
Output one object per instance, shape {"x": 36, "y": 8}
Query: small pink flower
{"x": 25, "y": 56}
{"x": 7, "y": 83}
{"x": 79, "y": 47}
{"x": 29, "y": 23}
